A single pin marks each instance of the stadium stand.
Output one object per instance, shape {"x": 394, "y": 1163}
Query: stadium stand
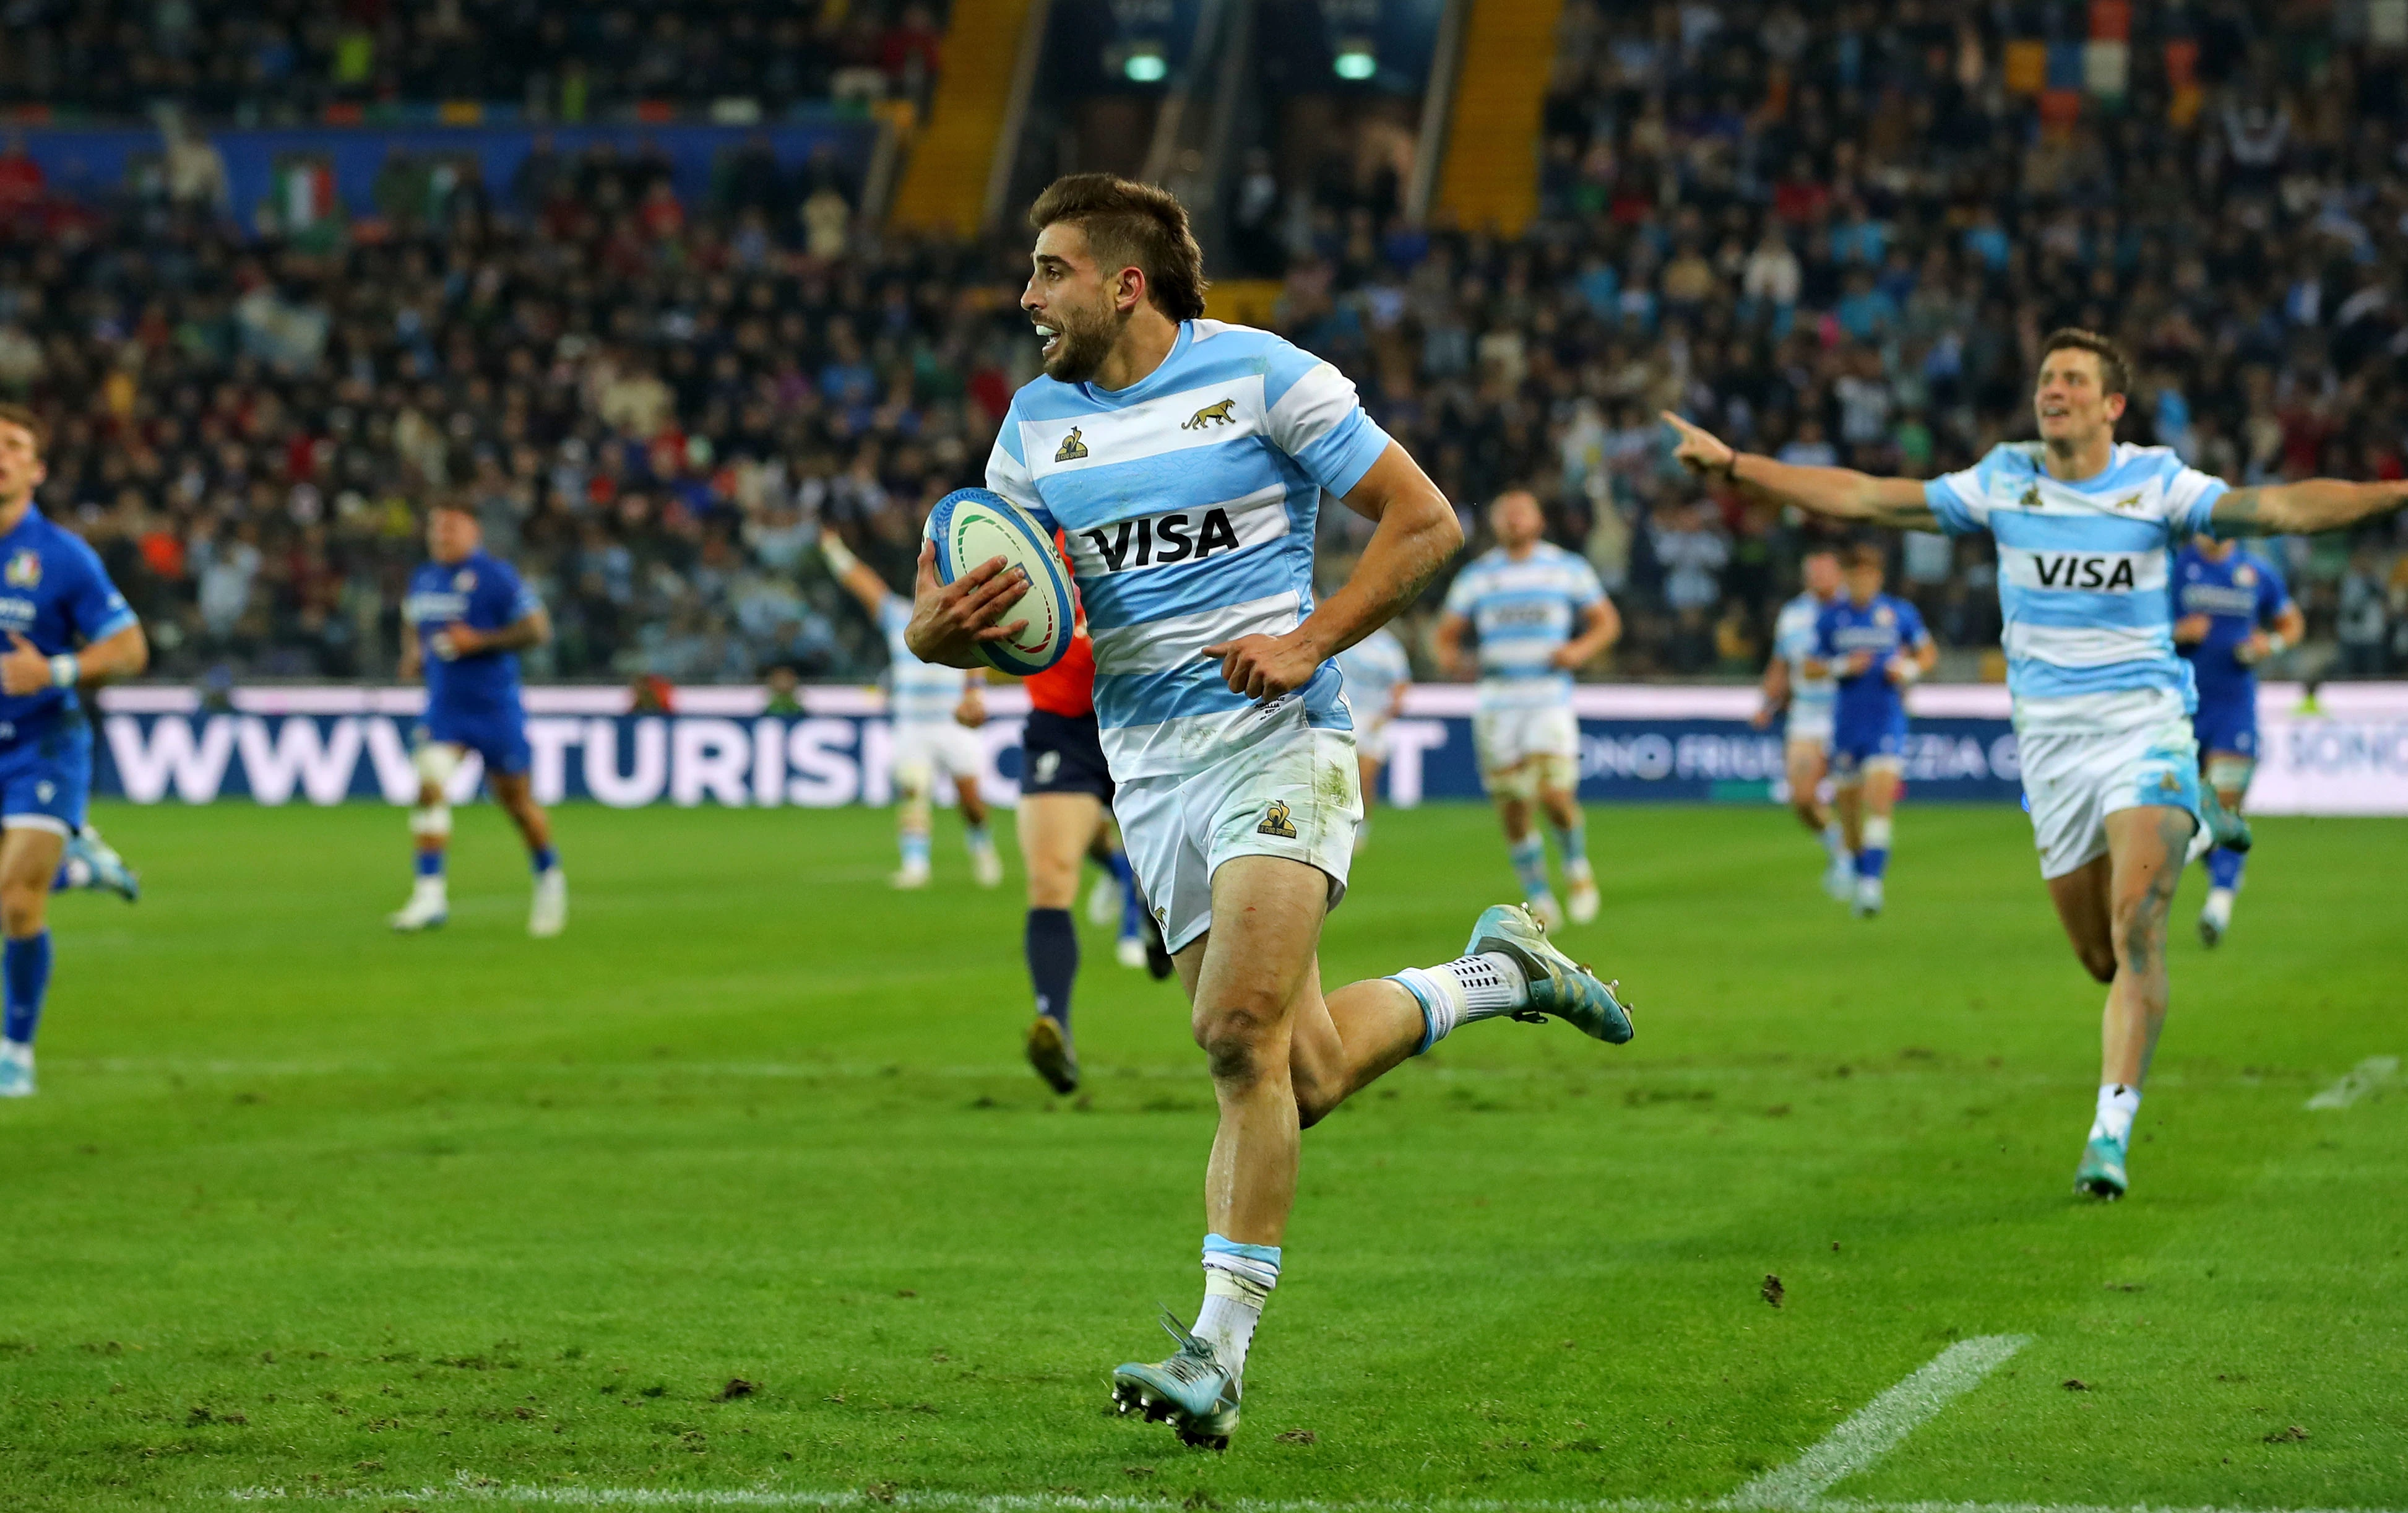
{"x": 1834, "y": 233}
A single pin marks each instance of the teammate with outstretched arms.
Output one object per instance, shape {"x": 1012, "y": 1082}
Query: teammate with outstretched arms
{"x": 2232, "y": 613}
{"x": 1539, "y": 613}
{"x": 2086, "y": 530}
{"x": 1185, "y": 460}
{"x": 1871, "y": 645}
{"x": 937, "y": 713}
{"x": 1807, "y": 700}
{"x": 468, "y": 616}
{"x": 66, "y": 627}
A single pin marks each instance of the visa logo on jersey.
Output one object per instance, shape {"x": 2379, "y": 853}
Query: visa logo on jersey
{"x": 2110, "y": 574}
{"x": 1155, "y": 540}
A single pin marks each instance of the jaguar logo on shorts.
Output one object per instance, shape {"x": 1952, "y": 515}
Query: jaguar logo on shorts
{"x": 1276, "y": 821}
{"x": 2168, "y": 782}
{"x": 24, "y": 570}
{"x": 1072, "y": 448}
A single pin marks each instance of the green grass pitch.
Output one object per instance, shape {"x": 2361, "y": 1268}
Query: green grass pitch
{"x": 304, "y": 1206}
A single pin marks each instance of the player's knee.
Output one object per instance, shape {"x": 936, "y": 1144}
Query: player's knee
{"x": 2138, "y": 924}
{"x": 25, "y": 905}
{"x": 431, "y": 822}
{"x": 2098, "y": 959}
{"x": 435, "y": 761}
{"x": 1235, "y": 1036}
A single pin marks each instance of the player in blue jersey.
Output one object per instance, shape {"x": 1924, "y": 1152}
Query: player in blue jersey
{"x": 1377, "y": 674}
{"x": 1872, "y": 645}
{"x": 1538, "y": 612}
{"x": 468, "y": 617}
{"x": 1185, "y": 460}
{"x": 67, "y": 626}
{"x": 2232, "y": 613}
{"x": 1808, "y": 701}
{"x": 2086, "y": 530}
{"x": 937, "y": 713}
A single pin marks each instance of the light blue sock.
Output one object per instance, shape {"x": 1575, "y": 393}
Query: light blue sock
{"x": 915, "y": 851}
{"x": 25, "y": 965}
{"x": 978, "y": 838}
{"x": 1237, "y": 1281}
{"x": 1529, "y": 857}
{"x": 1571, "y": 844}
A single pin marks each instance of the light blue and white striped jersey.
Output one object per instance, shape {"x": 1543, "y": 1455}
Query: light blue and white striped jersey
{"x": 2084, "y": 569}
{"x": 1523, "y": 611}
{"x": 1373, "y": 667}
{"x": 1793, "y": 641}
{"x": 917, "y": 692}
{"x": 1187, "y": 501}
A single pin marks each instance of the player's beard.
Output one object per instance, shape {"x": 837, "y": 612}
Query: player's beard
{"x": 1082, "y": 342}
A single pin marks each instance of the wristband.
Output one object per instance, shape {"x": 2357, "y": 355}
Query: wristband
{"x": 66, "y": 672}
{"x": 2275, "y": 644}
{"x": 839, "y": 556}
{"x": 1907, "y": 671}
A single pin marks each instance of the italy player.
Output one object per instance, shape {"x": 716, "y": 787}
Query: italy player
{"x": 1066, "y": 813}
{"x": 1540, "y": 612}
{"x": 937, "y": 713}
{"x": 469, "y": 616}
{"x": 2086, "y": 530}
{"x": 68, "y": 627}
{"x": 1808, "y": 700}
{"x": 1872, "y": 645}
{"x": 1186, "y": 458}
{"x": 1377, "y": 674}
{"x": 2232, "y": 613}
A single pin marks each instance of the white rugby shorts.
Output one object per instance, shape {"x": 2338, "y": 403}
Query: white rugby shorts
{"x": 2075, "y": 780}
{"x": 1505, "y": 738}
{"x": 933, "y": 747}
{"x": 1372, "y": 737}
{"x": 1295, "y": 793}
{"x": 1812, "y": 727}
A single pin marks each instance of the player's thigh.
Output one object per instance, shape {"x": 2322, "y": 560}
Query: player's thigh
{"x": 2145, "y": 847}
{"x": 1806, "y": 762}
{"x": 513, "y": 791}
{"x": 2081, "y": 897}
{"x": 1267, "y": 914}
{"x": 1883, "y": 782}
{"x": 1055, "y": 831}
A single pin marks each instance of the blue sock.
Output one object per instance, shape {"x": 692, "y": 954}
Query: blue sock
{"x": 26, "y": 963}
{"x": 1572, "y": 843}
{"x": 915, "y": 851}
{"x": 2224, "y": 867}
{"x": 1052, "y": 948}
{"x": 430, "y": 863}
{"x": 1529, "y": 857}
{"x": 60, "y": 881}
{"x": 1872, "y": 861}
{"x": 543, "y": 859}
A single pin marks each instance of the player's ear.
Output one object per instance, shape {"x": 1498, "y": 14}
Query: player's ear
{"x": 2113, "y": 408}
{"x": 1129, "y": 289}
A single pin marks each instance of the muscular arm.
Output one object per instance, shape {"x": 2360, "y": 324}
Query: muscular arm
{"x": 1416, "y": 532}
{"x": 123, "y": 655}
{"x": 2301, "y": 509}
{"x": 1776, "y": 689}
{"x": 1834, "y": 493}
{"x": 1603, "y": 630}
{"x": 532, "y": 628}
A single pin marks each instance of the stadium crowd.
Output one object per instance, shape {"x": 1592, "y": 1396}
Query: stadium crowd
{"x": 286, "y": 62}
{"x": 1836, "y": 234}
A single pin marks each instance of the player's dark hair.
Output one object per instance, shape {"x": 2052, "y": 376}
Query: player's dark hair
{"x": 1130, "y": 225}
{"x": 20, "y": 415}
{"x": 1867, "y": 554}
{"x": 2114, "y": 369}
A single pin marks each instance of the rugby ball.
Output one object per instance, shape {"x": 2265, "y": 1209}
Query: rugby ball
{"x": 972, "y": 526}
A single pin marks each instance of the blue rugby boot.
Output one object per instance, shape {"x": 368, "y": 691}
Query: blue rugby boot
{"x": 2101, "y": 1172}
{"x": 1191, "y": 1390}
{"x": 1558, "y": 986}
{"x": 91, "y": 862}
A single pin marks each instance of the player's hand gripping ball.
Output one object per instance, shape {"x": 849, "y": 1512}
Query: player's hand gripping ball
{"x": 974, "y": 526}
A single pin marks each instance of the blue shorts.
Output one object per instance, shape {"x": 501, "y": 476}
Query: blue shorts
{"x": 46, "y": 777}
{"x": 2227, "y": 725}
{"x": 1854, "y": 746}
{"x": 497, "y": 736}
{"x": 1063, "y": 754}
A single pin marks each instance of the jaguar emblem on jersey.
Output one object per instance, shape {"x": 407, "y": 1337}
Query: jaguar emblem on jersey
{"x": 25, "y": 569}
{"x": 2031, "y": 499}
{"x": 1276, "y": 821}
{"x": 1215, "y": 414}
{"x": 1071, "y": 448}
{"x": 2244, "y": 576}
{"x": 2128, "y": 502}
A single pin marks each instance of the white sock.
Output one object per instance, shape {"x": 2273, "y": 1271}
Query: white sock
{"x": 17, "y": 1050}
{"x": 1835, "y": 840}
{"x": 2118, "y": 1104}
{"x": 2219, "y": 900}
{"x": 431, "y": 888}
{"x": 2203, "y": 841}
{"x": 1237, "y": 1281}
{"x": 1470, "y": 987}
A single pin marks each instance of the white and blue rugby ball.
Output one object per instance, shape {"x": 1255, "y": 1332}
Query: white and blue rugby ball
{"x": 972, "y": 526}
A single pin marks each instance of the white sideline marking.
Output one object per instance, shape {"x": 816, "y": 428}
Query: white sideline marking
{"x": 1874, "y": 1429}
{"x": 2357, "y": 1082}
{"x": 467, "y": 1490}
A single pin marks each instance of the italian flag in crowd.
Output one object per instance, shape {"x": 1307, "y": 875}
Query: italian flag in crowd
{"x": 305, "y": 193}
